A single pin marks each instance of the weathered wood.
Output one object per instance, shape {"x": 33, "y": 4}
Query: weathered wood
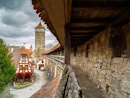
{"x": 125, "y": 5}
{"x": 40, "y": 9}
{"x": 43, "y": 17}
{"x": 68, "y": 6}
{"x": 81, "y": 36}
{"x": 79, "y": 39}
{"x": 43, "y": 13}
{"x": 83, "y": 31}
{"x": 88, "y": 28}
{"x": 67, "y": 44}
{"x": 93, "y": 20}
{"x": 122, "y": 20}
{"x": 37, "y": 5}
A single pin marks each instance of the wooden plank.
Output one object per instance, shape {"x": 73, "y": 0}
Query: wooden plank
{"x": 83, "y": 31}
{"x": 67, "y": 44}
{"x": 79, "y": 39}
{"x": 122, "y": 20}
{"x": 93, "y": 20}
{"x": 87, "y": 35}
{"x": 40, "y": 9}
{"x": 44, "y": 17}
{"x": 88, "y": 28}
{"x": 124, "y": 5}
{"x": 37, "y": 5}
{"x": 43, "y": 13}
{"x": 68, "y": 7}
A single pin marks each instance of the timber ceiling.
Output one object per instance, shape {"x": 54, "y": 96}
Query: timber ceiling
{"x": 86, "y": 18}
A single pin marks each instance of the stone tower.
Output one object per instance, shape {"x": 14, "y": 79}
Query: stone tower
{"x": 39, "y": 40}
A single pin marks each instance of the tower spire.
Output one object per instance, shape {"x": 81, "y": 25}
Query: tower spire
{"x": 40, "y": 25}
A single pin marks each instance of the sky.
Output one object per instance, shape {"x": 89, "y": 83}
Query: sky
{"x": 18, "y": 20}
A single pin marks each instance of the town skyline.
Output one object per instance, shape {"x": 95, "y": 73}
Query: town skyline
{"x": 17, "y": 31}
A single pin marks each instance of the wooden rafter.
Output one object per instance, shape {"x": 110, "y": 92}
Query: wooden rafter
{"x": 88, "y": 28}
{"x": 93, "y": 20}
{"x": 124, "y": 5}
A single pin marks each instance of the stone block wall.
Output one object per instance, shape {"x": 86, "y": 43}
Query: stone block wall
{"x": 96, "y": 59}
{"x": 68, "y": 87}
{"x": 53, "y": 68}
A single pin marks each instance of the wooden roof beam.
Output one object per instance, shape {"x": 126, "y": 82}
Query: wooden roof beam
{"x": 84, "y": 31}
{"x": 123, "y": 5}
{"x": 68, "y": 7}
{"x": 92, "y": 20}
{"x": 88, "y": 28}
{"x": 79, "y": 39}
{"x": 87, "y": 33}
{"x": 34, "y": 2}
{"x": 42, "y": 13}
{"x": 37, "y": 5}
{"x": 40, "y": 9}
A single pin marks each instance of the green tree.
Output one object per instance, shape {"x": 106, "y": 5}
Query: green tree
{"x": 7, "y": 69}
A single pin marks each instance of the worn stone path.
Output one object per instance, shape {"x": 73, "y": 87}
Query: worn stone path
{"x": 89, "y": 89}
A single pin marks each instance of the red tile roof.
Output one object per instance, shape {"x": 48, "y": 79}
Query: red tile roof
{"x": 26, "y": 51}
{"x": 48, "y": 90}
{"x": 16, "y": 54}
{"x": 40, "y": 25}
{"x": 52, "y": 49}
{"x": 17, "y": 51}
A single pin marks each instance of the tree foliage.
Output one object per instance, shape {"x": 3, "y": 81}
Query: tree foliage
{"x": 7, "y": 69}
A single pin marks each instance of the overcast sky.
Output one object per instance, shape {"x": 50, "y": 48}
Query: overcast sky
{"x": 18, "y": 20}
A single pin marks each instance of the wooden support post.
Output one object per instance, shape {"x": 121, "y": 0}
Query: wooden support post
{"x": 67, "y": 44}
{"x": 128, "y": 44}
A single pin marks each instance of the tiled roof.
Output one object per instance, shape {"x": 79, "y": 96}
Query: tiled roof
{"x": 16, "y": 54}
{"x": 48, "y": 90}
{"x": 26, "y": 51}
{"x": 17, "y": 51}
{"x": 52, "y": 49}
{"x": 40, "y": 25}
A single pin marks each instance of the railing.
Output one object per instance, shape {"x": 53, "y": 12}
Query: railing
{"x": 56, "y": 57}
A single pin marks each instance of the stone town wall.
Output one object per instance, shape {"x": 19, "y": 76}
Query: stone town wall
{"x": 68, "y": 87}
{"x": 106, "y": 71}
{"x": 53, "y": 68}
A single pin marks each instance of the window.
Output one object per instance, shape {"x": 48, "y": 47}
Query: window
{"x": 23, "y": 59}
{"x": 26, "y": 67}
{"x": 75, "y": 51}
{"x": 21, "y": 67}
{"x": 86, "y": 52}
